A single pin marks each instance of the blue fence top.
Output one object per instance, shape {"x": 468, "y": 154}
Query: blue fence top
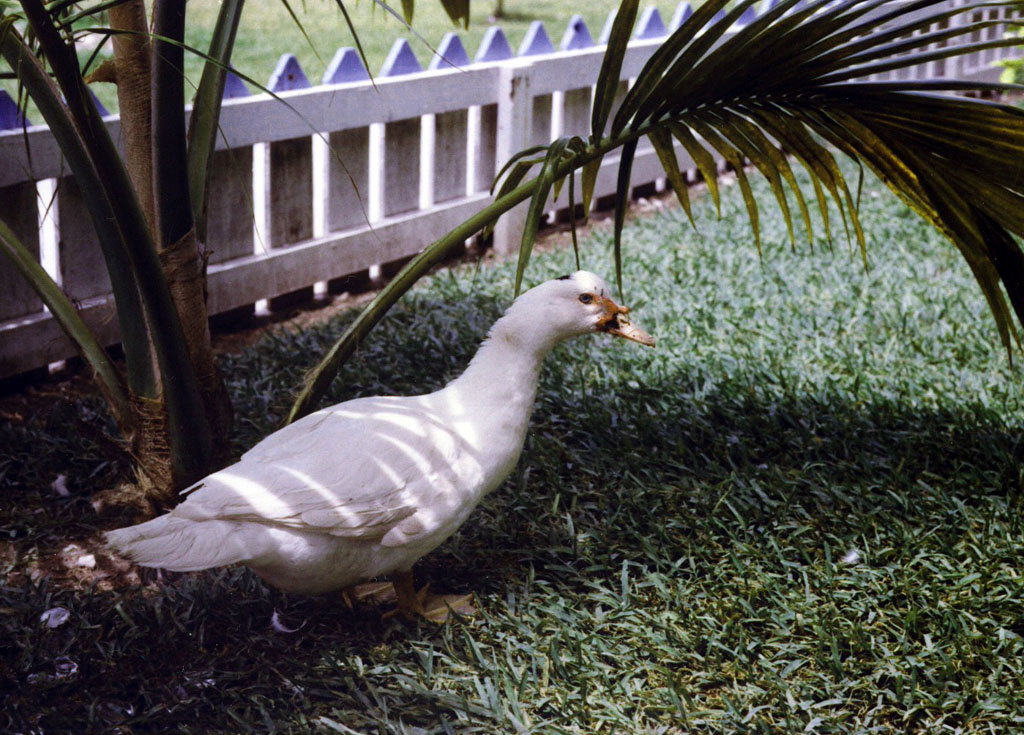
{"x": 536, "y": 41}
{"x": 401, "y": 60}
{"x": 451, "y": 54}
{"x": 494, "y": 46}
{"x": 576, "y": 35}
{"x": 288, "y": 75}
{"x": 650, "y": 25}
{"x": 345, "y": 66}
{"x": 10, "y": 115}
{"x": 234, "y": 87}
{"x": 683, "y": 12}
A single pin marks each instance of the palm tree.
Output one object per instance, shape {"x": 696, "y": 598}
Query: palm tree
{"x": 784, "y": 88}
{"x": 149, "y": 212}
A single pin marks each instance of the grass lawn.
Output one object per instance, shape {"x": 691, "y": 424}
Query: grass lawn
{"x": 800, "y": 513}
{"x": 267, "y": 31}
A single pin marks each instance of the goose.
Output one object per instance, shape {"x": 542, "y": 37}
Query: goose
{"x": 365, "y": 488}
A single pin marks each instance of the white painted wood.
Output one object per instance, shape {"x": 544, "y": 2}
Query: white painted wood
{"x": 576, "y": 112}
{"x": 284, "y": 269}
{"x": 357, "y": 104}
{"x": 36, "y": 340}
{"x": 427, "y": 143}
{"x": 19, "y": 210}
{"x": 486, "y": 148}
{"x": 82, "y": 265}
{"x": 348, "y": 179}
{"x": 408, "y": 185}
{"x": 542, "y": 133}
{"x": 514, "y": 129}
{"x": 451, "y": 136}
{"x": 49, "y": 255}
{"x": 401, "y": 166}
{"x": 229, "y": 231}
{"x": 291, "y": 205}
{"x": 34, "y": 154}
{"x": 291, "y": 191}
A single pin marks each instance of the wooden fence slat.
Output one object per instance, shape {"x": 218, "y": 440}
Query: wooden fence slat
{"x": 290, "y": 182}
{"x": 451, "y": 129}
{"x": 401, "y": 180}
{"x": 230, "y": 205}
{"x": 19, "y": 210}
{"x": 493, "y": 47}
{"x": 82, "y": 265}
{"x": 537, "y": 43}
{"x": 351, "y": 251}
{"x": 576, "y": 102}
{"x": 348, "y": 163}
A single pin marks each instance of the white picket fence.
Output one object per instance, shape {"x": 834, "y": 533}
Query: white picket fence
{"x": 419, "y": 146}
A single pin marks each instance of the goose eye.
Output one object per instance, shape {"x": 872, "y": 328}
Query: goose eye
{"x": 586, "y": 298}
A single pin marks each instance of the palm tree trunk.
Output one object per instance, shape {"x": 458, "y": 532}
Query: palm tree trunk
{"x": 180, "y": 254}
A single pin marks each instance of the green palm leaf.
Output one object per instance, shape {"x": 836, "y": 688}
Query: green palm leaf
{"x": 791, "y": 83}
{"x": 788, "y": 82}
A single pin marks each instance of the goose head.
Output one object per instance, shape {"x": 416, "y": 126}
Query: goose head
{"x": 571, "y": 306}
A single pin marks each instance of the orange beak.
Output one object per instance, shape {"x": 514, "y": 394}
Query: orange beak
{"x": 615, "y": 321}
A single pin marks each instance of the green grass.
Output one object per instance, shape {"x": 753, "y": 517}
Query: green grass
{"x": 675, "y": 551}
{"x": 267, "y": 31}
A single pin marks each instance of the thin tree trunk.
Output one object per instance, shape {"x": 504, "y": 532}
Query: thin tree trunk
{"x": 132, "y": 74}
{"x": 132, "y": 63}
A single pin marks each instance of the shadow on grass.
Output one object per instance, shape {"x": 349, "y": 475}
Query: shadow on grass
{"x": 660, "y": 476}
{"x": 651, "y": 476}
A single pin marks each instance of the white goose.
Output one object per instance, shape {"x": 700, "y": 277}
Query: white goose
{"x": 365, "y": 488}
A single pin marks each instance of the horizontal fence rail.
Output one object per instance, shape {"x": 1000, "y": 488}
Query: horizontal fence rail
{"x": 346, "y": 175}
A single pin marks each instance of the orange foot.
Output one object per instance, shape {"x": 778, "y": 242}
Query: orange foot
{"x": 411, "y": 603}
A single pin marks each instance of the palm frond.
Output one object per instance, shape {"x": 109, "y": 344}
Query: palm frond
{"x": 792, "y": 84}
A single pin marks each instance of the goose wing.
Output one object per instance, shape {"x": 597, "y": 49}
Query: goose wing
{"x": 354, "y": 470}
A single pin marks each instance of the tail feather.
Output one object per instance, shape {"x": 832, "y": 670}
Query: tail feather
{"x": 180, "y": 544}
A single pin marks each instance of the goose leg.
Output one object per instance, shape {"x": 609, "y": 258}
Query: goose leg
{"x": 435, "y": 608}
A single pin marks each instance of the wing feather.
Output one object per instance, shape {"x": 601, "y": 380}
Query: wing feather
{"x": 355, "y": 470}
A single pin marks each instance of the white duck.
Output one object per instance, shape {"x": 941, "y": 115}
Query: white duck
{"x": 365, "y": 488}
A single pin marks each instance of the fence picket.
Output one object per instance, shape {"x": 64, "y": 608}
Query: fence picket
{"x": 347, "y": 157}
{"x": 286, "y": 188}
{"x": 537, "y": 43}
{"x": 493, "y": 47}
{"x": 229, "y": 232}
{"x": 18, "y": 209}
{"x": 449, "y": 152}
